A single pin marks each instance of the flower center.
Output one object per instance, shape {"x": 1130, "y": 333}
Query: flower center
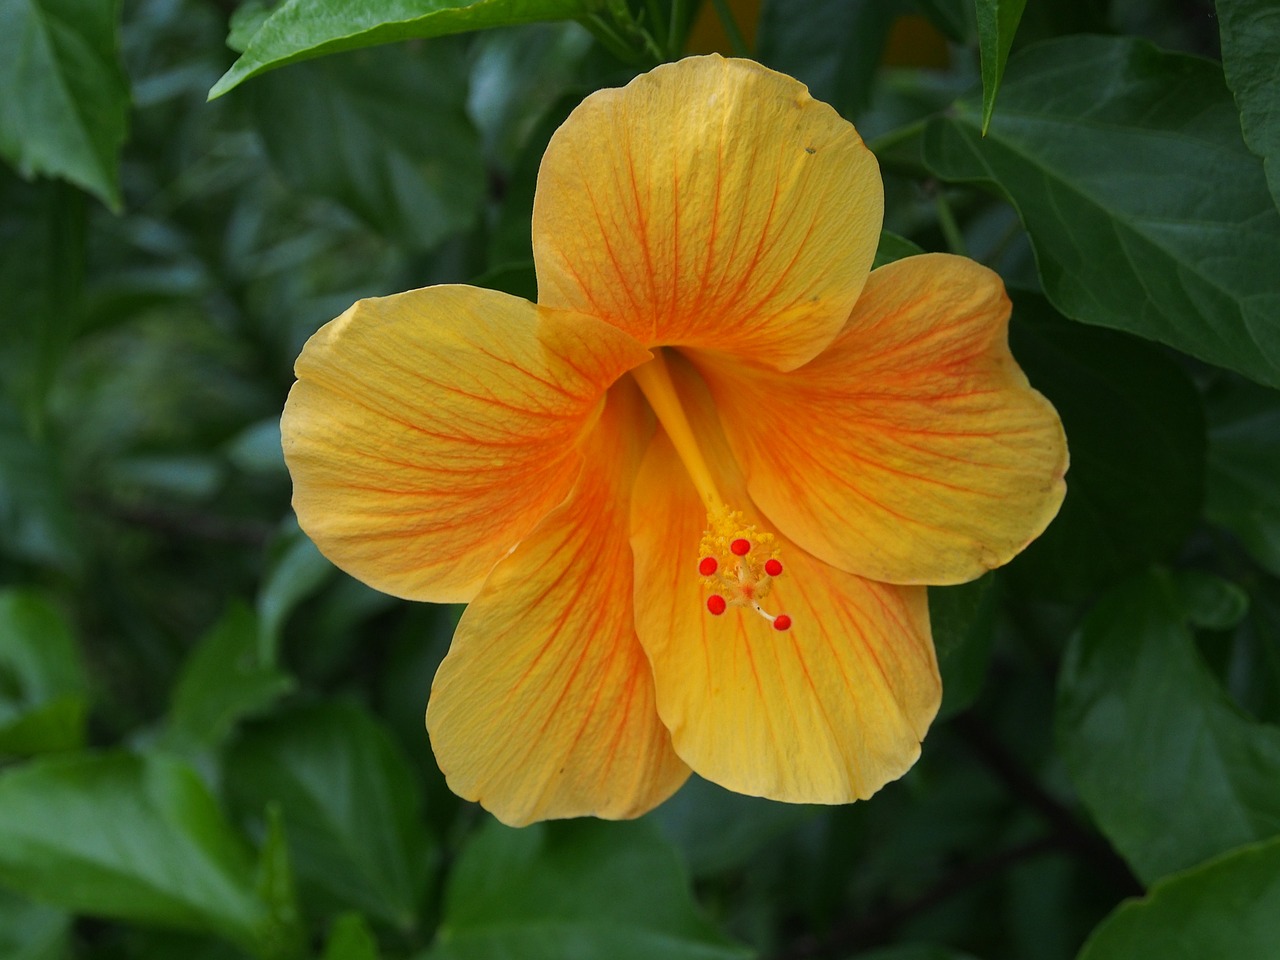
{"x": 737, "y": 561}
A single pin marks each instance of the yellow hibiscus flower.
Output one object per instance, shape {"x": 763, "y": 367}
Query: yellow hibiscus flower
{"x": 693, "y": 493}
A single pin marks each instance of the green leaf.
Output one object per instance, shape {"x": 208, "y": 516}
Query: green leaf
{"x": 893, "y": 247}
{"x": 1250, "y": 35}
{"x": 43, "y": 690}
{"x": 963, "y": 618}
{"x": 383, "y": 133}
{"x": 298, "y": 572}
{"x": 997, "y": 23}
{"x": 33, "y": 931}
{"x": 66, "y": 98}
{"x": 1146, "y": 210}
{"x": 577, "y": 890}
{"x": 1136, "y": 434}
{"x": 351, "y": 939}
{"x": 351, "y": 806}
{"x": 1229, "y": 908}
{"x": 301, "y": 29}
{"x": 222, "y": 682}
{"x": 1209, "y": 601}
{"x": 832, "y": 46}
{"x": 1171, "y": 769}
{"x": 126, "y": 837}
{"x": 1244, "y": 462}
{"x": 284, "y": 936}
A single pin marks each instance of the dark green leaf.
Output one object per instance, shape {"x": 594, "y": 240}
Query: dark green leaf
{"x": 893, "y": 247}
{"x": 1250, "y": 34}
{"x": 963, "y": 618}
{"x": 133, "y": 838}
{"x": 1135, "y": 430}
{"x": 222, "y": 682}
{"x": 1171, "y": 769}
{"x": 66, "y": 101}
{"x": 1243, "y": 494}
{"x": 1229, "y": 908}
{"x": 301, "y": 29}
{"x": 384, "y": 133}
{"x": 1210, "y": 602}
{"x": 1146, "y": 210}
{"x": 298, "y": 572}
{"x": 718, "y": 831}
{"x": 43, "y": 691}
{"x": 832, "y": 46}
{"x": 997, "y": 23}
{"x": 283, "y": 936}
{"x": 578, "y": 890}
{"x": 351, "y": 806}
{"x": 351, "y": 939}
{"x": 32, "y": 931}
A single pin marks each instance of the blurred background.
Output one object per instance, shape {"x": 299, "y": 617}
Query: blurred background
{"x": 211, "y": 741}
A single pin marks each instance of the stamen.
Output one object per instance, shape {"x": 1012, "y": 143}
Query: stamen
{"x": 739, "y": 563}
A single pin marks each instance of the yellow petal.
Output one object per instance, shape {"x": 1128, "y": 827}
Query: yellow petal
{"x": 430, "y": 431}
{"x": 825, "y": 712}
{"x": 912, "y": 450}
{"x": 710, "y": 203}
{"x": 544, "y": 706}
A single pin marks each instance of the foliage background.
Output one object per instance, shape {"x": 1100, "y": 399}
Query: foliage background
{"x": 211, "y": 742}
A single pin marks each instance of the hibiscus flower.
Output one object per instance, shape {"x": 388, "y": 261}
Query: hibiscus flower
{"x": 693, "y": 495}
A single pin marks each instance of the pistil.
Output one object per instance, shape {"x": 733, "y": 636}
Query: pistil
{"x": 736, "y": 561}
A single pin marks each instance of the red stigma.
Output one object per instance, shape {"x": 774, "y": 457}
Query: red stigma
{"x": 707, "y": 566}
{"x": 740, "y": 547}
{"x": 781, "y": 622}
{"x": 716, "y": 604}
{"x": 773, "y": 567}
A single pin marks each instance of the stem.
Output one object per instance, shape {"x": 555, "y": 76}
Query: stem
{"x": 657, "y": 23}
{"x": 737, "y": 43}
{"x": 609, "y": 39}
{"x": 676, "y": 29}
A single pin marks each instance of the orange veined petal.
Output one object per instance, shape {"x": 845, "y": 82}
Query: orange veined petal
{"x": 912, "y": 450}
{"x": 827, "y": 711}
{"x": 430, "y": 431}
{"x": 544, "y": 706}
{"x": 709, "y": 203}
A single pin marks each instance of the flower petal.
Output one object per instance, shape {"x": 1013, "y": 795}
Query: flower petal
{"x": 826, "y": 712}
{"x": 912, "y": 450}
{"x": 710, "y": 203}
{"x": 544, "y": 706}
{"x": 430, "y": 431}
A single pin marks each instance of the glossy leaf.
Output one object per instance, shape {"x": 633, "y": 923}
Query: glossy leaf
{"x": 575, "y": 890}
{"x": 1227, "y": 908}
{"x": 1244, "y": 462}
{"x": 301, "y": 29}
{"x": 1250, "y": 36}
{"x": 223, "y": 682}
{"x": 894, "y": 247}
{"x": 351, "y": 808}
{"x": 1171, "y": 769}
{"x": 1146, "y": 210}
{"x": 997, "y": 24}
{"x": 66, "y": 98}
{"x": 127, "y": 837}
{"x": 384, "y": 134}
{"x": 1135, "y": 430}
{"x": 43, "y": 689}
